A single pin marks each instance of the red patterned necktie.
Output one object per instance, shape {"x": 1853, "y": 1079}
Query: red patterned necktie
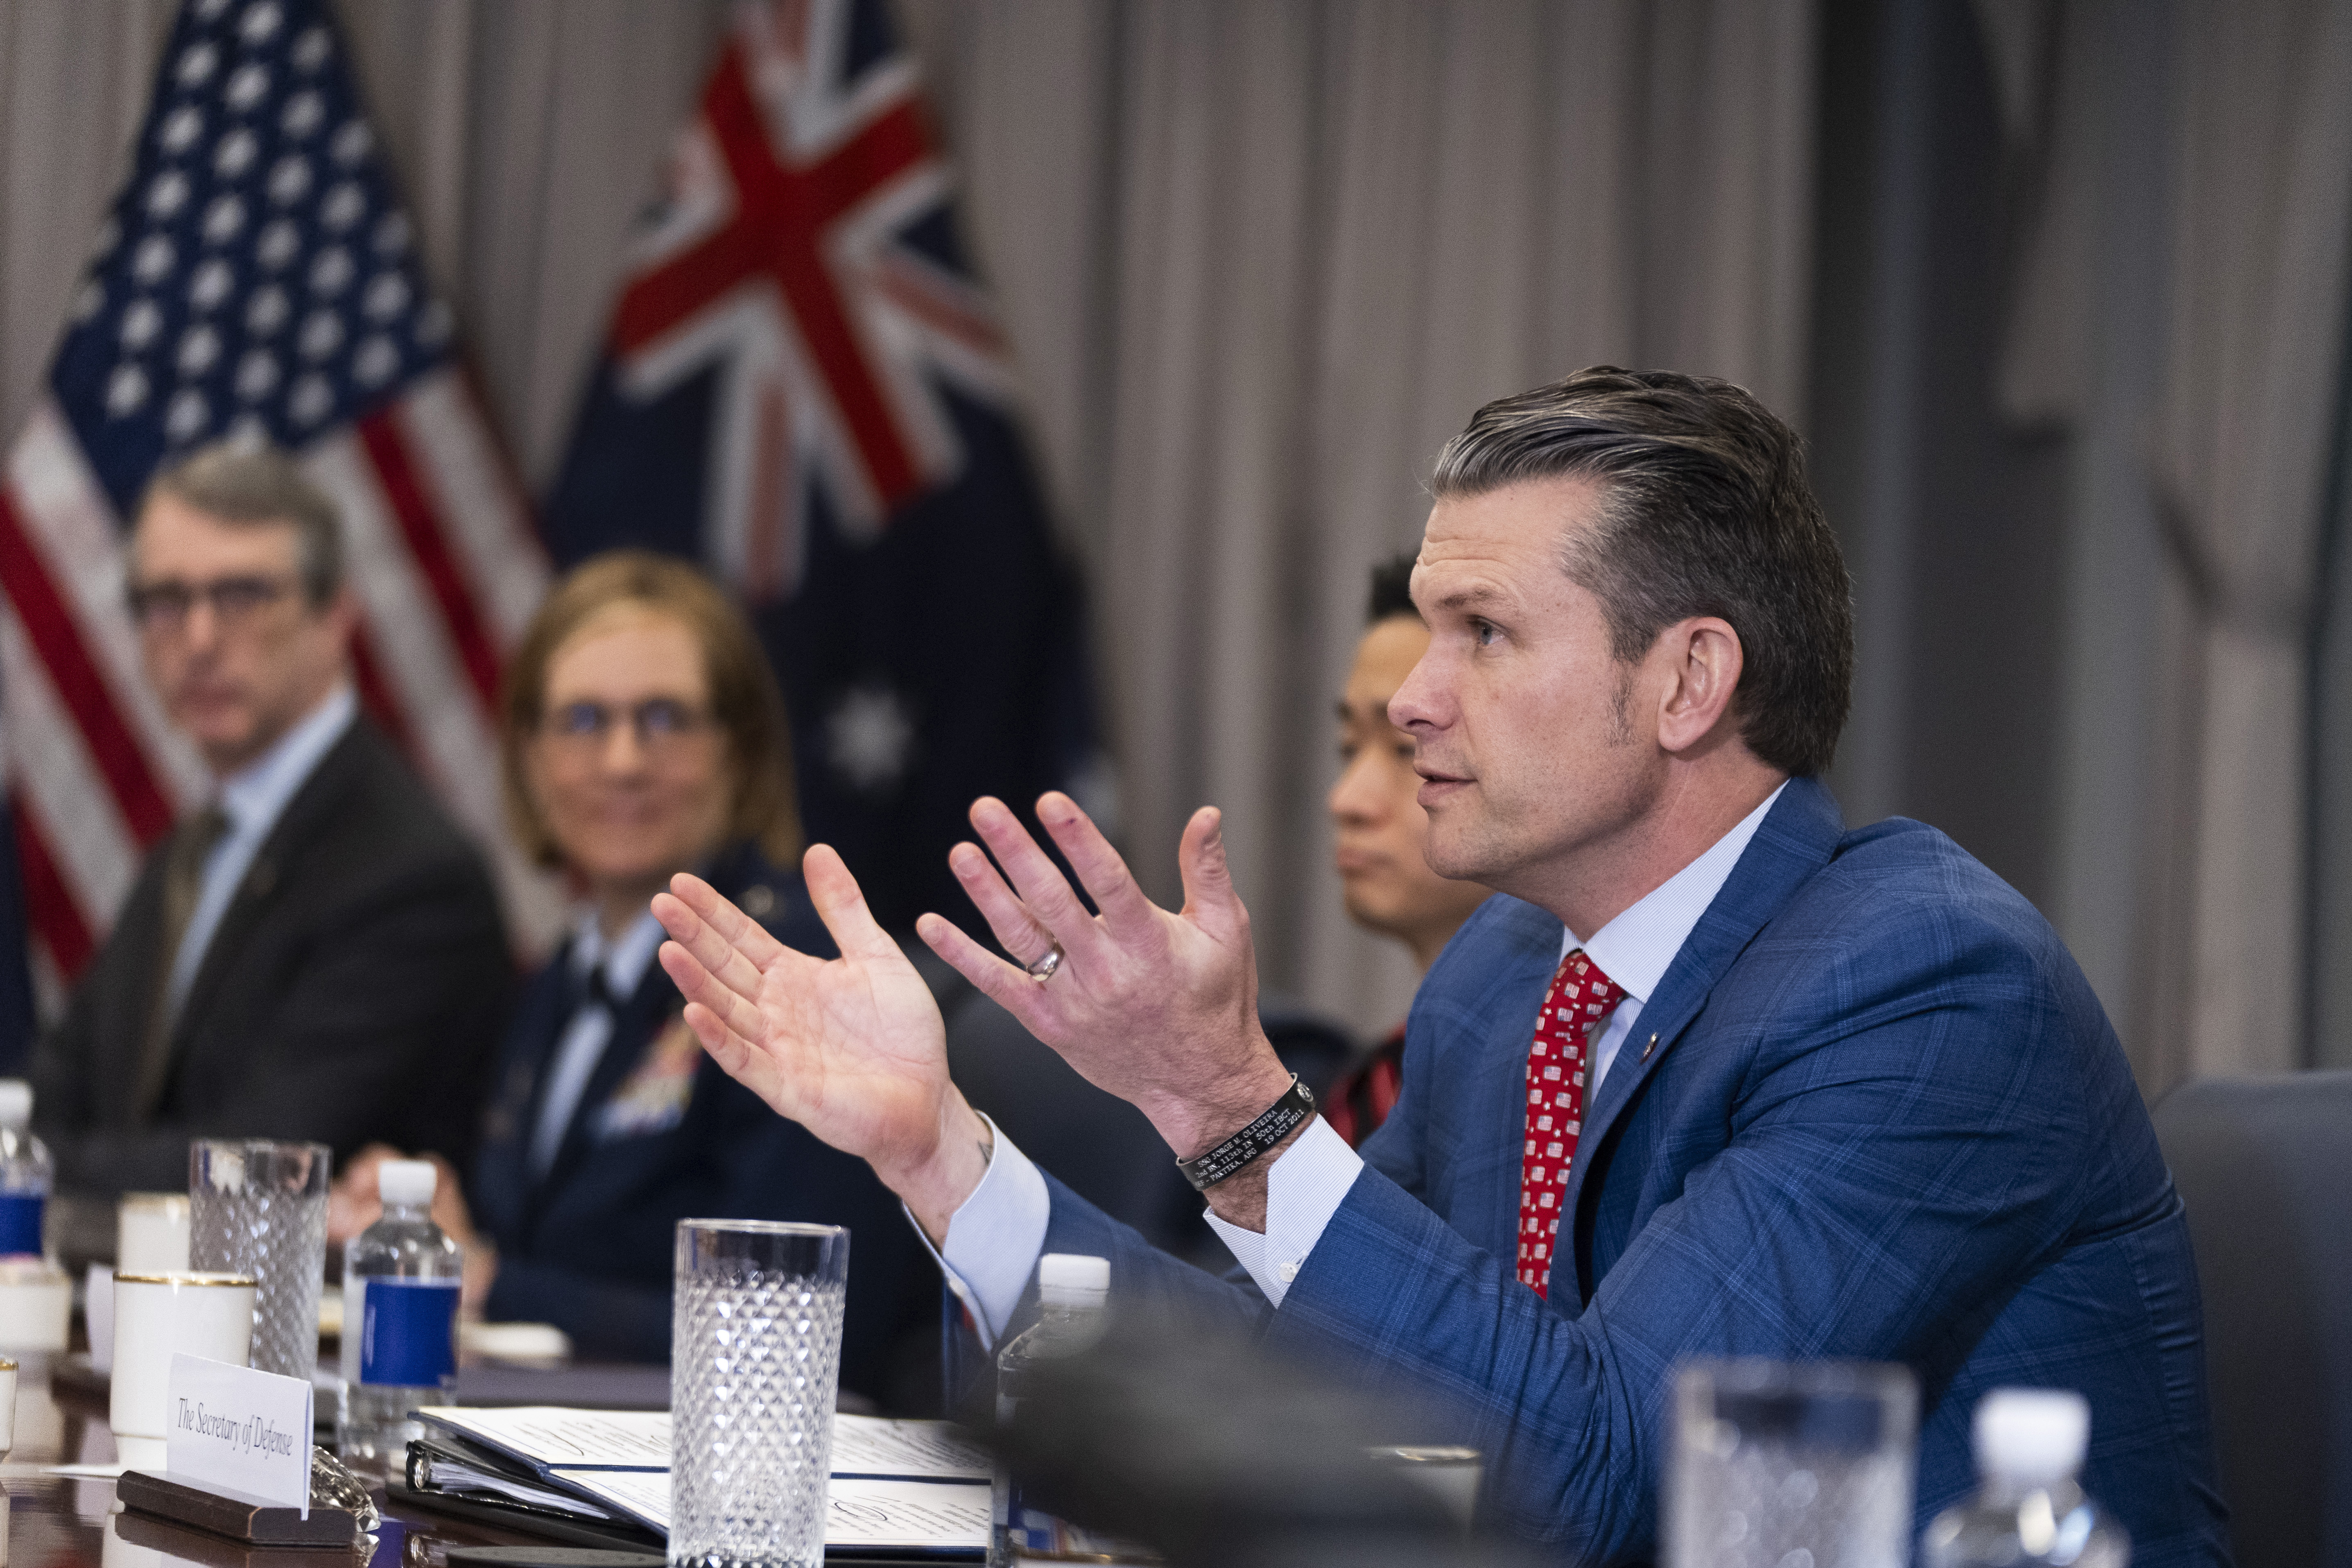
{"x": 1580, "y": 1001}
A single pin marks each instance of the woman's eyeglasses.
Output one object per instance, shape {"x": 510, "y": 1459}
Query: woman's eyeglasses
{"x": 660, "y": 724}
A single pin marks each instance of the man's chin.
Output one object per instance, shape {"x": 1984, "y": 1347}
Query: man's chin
{"x": 226, "y": 744}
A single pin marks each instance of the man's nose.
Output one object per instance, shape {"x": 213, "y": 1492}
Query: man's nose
{"x": 1354, "y": 796}
{"x": 201, "y": 630}
{"x": 1415, "y": 701}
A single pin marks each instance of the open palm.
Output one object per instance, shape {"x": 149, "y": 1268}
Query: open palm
{"x": 852, "y": 1047}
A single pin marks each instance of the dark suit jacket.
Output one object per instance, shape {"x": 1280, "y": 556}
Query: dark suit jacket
{"x": 662, "y": 1134}
{"x": 349, "y": 994}
{"x": 1872, "y": 1110}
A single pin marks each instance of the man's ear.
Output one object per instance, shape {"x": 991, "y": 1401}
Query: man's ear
{"x": 1703, "y": 661}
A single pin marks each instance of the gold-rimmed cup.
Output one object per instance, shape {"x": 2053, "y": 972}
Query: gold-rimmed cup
{"x": 160, "y": 1315}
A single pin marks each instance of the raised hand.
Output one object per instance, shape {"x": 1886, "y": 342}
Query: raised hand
{"x": 852, "y": 1047}
{"x": 1158, "y": 1007}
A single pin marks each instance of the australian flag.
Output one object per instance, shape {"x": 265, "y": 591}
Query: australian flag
{"x": 803, "y": 387}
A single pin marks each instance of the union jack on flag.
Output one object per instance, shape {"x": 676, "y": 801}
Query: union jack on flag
{"x": 804, "y": 386}
{"x": 257, "y": 275}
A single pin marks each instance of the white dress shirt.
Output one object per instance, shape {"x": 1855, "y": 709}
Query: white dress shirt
{"x": 993, "y": 1240}
{"x": 590, "y": 1030}
{"x": 253, "y": 799}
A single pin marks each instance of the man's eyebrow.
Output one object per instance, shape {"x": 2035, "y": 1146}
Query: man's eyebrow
{"x": 1473, "y": 596}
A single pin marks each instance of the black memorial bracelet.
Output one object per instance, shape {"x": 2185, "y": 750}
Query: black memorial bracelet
{"x": 1297, "y": 1104}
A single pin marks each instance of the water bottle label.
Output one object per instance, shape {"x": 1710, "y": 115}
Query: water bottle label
{"x": 20, "y": 1221}
{"x": 408, "y": 1332}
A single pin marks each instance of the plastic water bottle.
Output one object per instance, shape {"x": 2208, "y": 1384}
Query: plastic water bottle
{"x": 2030, "y": 1444}
{"x": 1072, "y": 1292}
{"x": 26, "y": 1172}
{"x": 400, "y": 1321}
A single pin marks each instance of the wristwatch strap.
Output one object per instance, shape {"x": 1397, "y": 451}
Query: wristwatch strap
{"x": 1297, "y": 1104}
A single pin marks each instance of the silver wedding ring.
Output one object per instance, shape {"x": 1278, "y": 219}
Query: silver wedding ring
{"x": 1045, "y": 968}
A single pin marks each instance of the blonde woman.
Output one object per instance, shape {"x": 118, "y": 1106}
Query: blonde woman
{"x": 641, "y": 735}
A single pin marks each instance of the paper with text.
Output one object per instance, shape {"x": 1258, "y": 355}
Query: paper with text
{"x": 901, "y": 1515}
{"x": 233, "y": 1429}
{"x": 552, "y": 1436}
{"x": 915, "y": 1450}
{"x": 908, "y": 1516}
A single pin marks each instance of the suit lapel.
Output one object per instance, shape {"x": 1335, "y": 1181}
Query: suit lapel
{"x": 1795, "y": 839}
{"x": 305, "y": 816}
{"x": 1520, "y": 982}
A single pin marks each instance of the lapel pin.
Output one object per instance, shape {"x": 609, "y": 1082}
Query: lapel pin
{"x": 1648, "y": 1048}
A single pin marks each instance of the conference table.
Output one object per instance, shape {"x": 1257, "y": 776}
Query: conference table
{"x": 69, "y": 1520}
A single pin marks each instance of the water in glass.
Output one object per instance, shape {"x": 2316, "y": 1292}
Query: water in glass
{"x": 756, "y": 1365}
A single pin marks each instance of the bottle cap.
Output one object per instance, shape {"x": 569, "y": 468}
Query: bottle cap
{"x": 1066, "y": 1273}
{"x": 16, "y": 1103}
{"x": 2033, "y": 1436}
{"x": 407, "y": 1183}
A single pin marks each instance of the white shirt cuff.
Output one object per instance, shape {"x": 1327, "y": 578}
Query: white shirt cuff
{"x": 1303, "y": 1188}
{"x": 994, "y": 1238}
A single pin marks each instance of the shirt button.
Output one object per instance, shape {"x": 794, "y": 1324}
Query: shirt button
{"x": 1287, "y": 1272}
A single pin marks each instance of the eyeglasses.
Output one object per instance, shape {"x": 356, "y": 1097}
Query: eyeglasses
{"x": 165, "y": 607}
{"x": 661, "y": 724}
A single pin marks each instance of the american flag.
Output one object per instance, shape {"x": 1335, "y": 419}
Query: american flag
{"x": 257, "y": 275}
{"x": 804, "y": 385}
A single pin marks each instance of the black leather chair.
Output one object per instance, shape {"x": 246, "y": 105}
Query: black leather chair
{"x": 2264, "y": 1165}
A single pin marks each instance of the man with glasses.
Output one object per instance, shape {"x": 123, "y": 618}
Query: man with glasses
{"x": 315, "y": 954}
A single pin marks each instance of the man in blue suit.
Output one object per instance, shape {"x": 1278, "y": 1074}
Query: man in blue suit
{"x": 1714, "y": 1076}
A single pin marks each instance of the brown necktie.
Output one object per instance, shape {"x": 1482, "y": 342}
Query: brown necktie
{"x": 184, "y": 880}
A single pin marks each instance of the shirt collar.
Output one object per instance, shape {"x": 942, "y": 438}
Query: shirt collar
{"x": 258, "y": 793}
{"x": 1634, "y": 948}
{"x": 624, "y": 960}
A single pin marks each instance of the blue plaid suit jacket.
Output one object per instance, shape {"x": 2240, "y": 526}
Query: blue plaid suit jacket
{"x": 1873, "y": 1110}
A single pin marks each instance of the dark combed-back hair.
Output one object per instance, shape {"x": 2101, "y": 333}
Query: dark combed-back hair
{"x": 1391, "y": 592}
{"x": 1705, "y": 511}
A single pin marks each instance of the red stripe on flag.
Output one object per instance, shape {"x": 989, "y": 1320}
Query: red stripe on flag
{"x": 778, "y": 231}
{"x": 376, "y": 697}
{"x": 421, "y": 527}
{"x": 56, "y": 638}
{"x": 55, "y": 916}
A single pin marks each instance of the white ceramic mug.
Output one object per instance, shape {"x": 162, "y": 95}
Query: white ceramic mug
{"x": 36, "y": 1306}
{"x": 151, "y": 1237}
{"x": 8, "y": 1405}
{"x": 150, "y": 1233}
{"x": 155, "y": 1317}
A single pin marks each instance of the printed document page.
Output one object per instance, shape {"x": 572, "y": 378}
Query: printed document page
{"x": 898, "y": 1515}
{"x": 548, "y": 1436}
{"x": 913, "y": 1450}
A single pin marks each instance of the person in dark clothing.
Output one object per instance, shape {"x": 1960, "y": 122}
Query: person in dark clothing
{"x": 642, "y": 736}
{"x": 316, "y": 953}
{"x": 1378, "y": 829}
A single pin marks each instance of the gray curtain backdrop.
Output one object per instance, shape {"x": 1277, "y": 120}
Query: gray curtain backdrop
{"x": 1260, "y": 260}
{"x": 1257, "y": 260}
{"x": 2181, "y": 311}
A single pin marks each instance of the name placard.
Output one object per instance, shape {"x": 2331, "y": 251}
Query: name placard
{"x": 237, "y": 1430}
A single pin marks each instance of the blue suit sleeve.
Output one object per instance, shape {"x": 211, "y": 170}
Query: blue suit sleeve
{"x": 1140, "y": 1272}
{"x": 1908, "y": 1134}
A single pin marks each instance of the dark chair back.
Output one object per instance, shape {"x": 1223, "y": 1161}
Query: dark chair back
{"x": 2264, "y": 1165}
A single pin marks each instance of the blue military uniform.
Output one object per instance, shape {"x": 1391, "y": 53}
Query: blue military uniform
{"x": 659, "y": 1133}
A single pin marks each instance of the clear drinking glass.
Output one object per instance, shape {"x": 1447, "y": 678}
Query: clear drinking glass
{"x": 260, "y": 1208}
{"x": 755, "y": 1362}
{"x": 1780, "y": 1465}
